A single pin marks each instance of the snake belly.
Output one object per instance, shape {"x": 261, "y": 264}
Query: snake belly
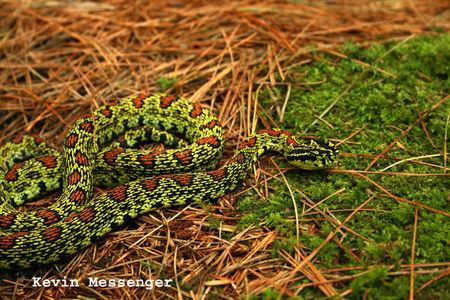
{"x": 147, "y": 179}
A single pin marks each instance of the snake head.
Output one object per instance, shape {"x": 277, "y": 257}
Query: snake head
{"x": 313, "y": 155}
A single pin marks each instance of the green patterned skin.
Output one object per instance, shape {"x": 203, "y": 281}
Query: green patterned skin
{"x": 100, "y": 150}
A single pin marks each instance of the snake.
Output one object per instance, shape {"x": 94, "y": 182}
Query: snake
{"x": 109, "y": 148}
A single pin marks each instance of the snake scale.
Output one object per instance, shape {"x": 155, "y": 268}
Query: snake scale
{"x": 101, "y": 150}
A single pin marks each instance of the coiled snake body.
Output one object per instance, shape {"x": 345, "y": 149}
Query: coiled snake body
{"x": 100, "y": 150}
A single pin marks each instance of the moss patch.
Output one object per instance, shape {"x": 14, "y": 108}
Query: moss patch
{"x": 385, "y": 99}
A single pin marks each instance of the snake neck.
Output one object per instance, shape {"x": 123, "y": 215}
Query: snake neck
{"x": 250, "y": 150}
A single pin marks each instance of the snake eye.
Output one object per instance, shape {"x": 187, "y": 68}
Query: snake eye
{"x": 312, "y": 156}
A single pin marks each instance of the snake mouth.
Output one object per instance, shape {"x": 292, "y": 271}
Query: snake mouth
{"x": 315, "y": 163}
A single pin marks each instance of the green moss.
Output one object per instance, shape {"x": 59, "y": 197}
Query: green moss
{"x": 376, "y": 284}
{"x": 166, "y": 83}
{"x": 385, "y": 99}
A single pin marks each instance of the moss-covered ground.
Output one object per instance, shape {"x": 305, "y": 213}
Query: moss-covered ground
{"x": 391, "y": 98}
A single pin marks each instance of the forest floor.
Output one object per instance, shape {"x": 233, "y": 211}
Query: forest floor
{"x": 371, "y": 77}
